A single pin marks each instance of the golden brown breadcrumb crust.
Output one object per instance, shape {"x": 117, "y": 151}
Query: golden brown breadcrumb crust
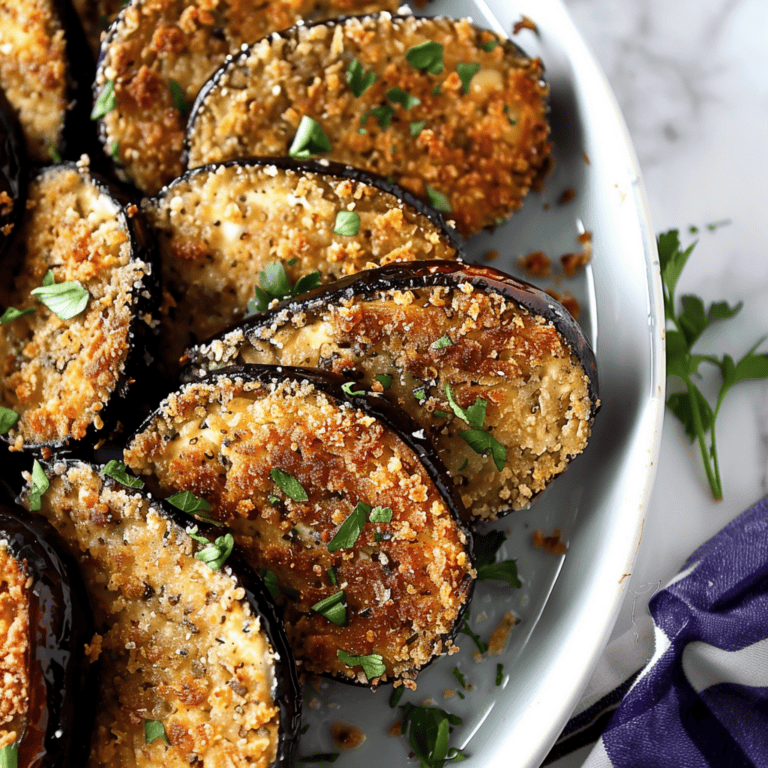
{"x": 480, "y": 141}
{"x": 176, "y": 641}
{"x": 403, "y": 592}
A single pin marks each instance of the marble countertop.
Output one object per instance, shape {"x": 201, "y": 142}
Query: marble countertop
{"x": 691, "y": 78}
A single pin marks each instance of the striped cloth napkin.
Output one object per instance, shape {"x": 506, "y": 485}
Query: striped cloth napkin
{"x": 702, "y": 699}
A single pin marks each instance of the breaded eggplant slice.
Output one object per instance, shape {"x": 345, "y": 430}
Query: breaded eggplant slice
{"x": 46, "y": 679}
{"x": 195, "y": 667}
{"x": 159, "y": 53}
{"x": 445, "y": 109}
{"x": 13, "y": 172}
{"x": 69, "y": 363}
{"x": 517, "y": 366}
{"x": 46, "y": 71}
{"x": 349, "y": 514}
{"x": 218, "y": 227}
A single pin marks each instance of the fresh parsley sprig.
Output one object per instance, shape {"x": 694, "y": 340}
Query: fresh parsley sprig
{"x": 690, "y": 406}
{"x": 275, "y": 284}
{"x": 428, "y": 730}
{"x": 487, "y": 546}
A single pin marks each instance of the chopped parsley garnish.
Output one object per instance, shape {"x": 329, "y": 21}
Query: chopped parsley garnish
{"x": 443, "y": 342}
{"x": 499, "y": 674}
{"x": 690, "y": 406}
{"x": 460, "y": 677}
{"x": 474, "y": 415}
{"x": 9, "y": 756}
{"x": 180, "y": 100}
{"x": 273, "y": 499}
{"x": 321, "y": 757}
{"x": 464, "y": 465}
{"x": 310, "y": 140}
{"x": 438, "y": 200}
{"x": 215, "y": 553}
{"x": 54, "y": 154}
{"x": 187, "y": 502}
{"x": 8, "y": 419}
{"x": 351, "y": 528}
{"x": 358, "y": 79}
{"x": 116, "y": 470}
{"x": 383, "y": 115}
{"x": 427, "y": 56}
{"x": 12, "y": 314}
{"x": 505, "y": 571}
{"x": 385, "y": 380}
{"x": 276, "y": 285}
{"x": 417, "y": 127}
{"x": 436, "y": 90}
{"x": 399, "y": 96}
{"x": 105, "y": 102}
{"x": 466, "y": 71}
{"x": 40, "y": 485}
{"x": 153, "y": 730}
{"x": 377, "y": 536}
{"x": 347, "y": 223}
{"x": 482, "y": 646}
{"x": 347, "y": 389}
{"x": 271, "y": 582}
{"x": 509, "y": 119}
{"x": 715, "y": 224}
{"x": 114, "y": 153}
{"x": 332, "y": 576}
{"x": 289, "y": 485}
{"x": 428, "y": 730}
{"x": 333, "y": 608}
{"x": 372, "y": 664}
{"x": 395, "y": 696}
{"x": 490, "y": 45}
{"x": 66, "y": 300}
{"x": 420, "y": 394}
{"x": 380, "y": 515}
{"x": 478, "y": 439}
{"x": 441, "y": 414}
{"x": 304, "y": 728}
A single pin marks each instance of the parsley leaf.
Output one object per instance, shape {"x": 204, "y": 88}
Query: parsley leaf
{"x": 690, "y": 406}
{"x": 466, "y": 71}
{"x": 40, "y": 485}
{"x": 289, "y": 485}
{"x": 12, "y": 314}
{"x": 215, "y": 553}
{"x": 383, "y": 115}
{"x": 153, "y": 730}
{"x": 428, "y": 730}
{"x": 105, "y": 102}
{"x": 9, "y": 756}
{"x": 385, "y": 380}
{"x": 187, "y": 502}
{"x": 8, "y": 419}
{"x": 116, "y": 470}
{"x": 347, "y": 223}
{"x": 499, "y": 674}
{"x": 438, "y": 200}
{"x": 180, "y": 100}
{"x": 276, "y": 285}
{"x": 395, "y": 696}
{"x": 380, "y": 515}
{"x": 474, "y": 415}
{"x": 460, "y": 677}
{"x": 66, "y": 300}
{"x": 490, "y": 45}
{"x": 358, "y": 79}
{"x": 348, "y": 389}
{"x": 399, "y": 96}
{"x": 271, "y": 582}
{"x": 482, "y": 442}
{"x": 310, "y": 140}
{"x": 333, "y": 608}
{"x": 372, "y": 664}
{"x": 417, "y": 127}
{"x": 351, "y": 528}
{"x": 427, "y": 56}
{"x": 443, "y": 342}
{"x": 482, "y": 646}
{"x": 486, "y": 550}
{"x": 54, "y": 154}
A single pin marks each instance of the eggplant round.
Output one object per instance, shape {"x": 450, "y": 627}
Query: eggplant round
{"x": 159, "y": 53}
{"x": 496, "y": 345}
{"x": 46, "y": 69}
{"x": 345, "y": 505}
{"x": 69, "y": 370}
{"x": 447, "y": 110}
{"x": 219, "y": 227}
{"x": 46, "y": 674}
{"x": 195, "y": 664}
{"x": 13, "y": 172}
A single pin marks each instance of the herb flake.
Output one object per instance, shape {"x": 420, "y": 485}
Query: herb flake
{"x": 385, "y": 380}
{"x": 216, "y": 552}
{"x": 105, "y": 102}
{"x": 8, "y": 419}
{"x": 481, "y": 645}
{"x": 188, "y": 503}
{"x": 180, "y": 100}
{"x": 310, "y": 140}
{"x": 466, "y": 71}
{"x": 347, "y": 223}
{"x": 333, "y": 608}
{"x": 12, "y": 314}
{"x": 9, "y": 756}
{"x": 490, "y": 45}
{"x": 428, "y": 730}
{"x": 350, "y": 529}
{"x": 348, "y": 389}
{"x": 427, "y": 56}
{"x": 443, "y": 342}
{"x": 271, "y": 582}
{"x": 399, "y": 96}
{"x": 289, "y": 485}
{"x": 66, "y": 300}
{"x": 499, "y": 674}
{"x": 358, "y": 79}
{"x": 40, "y": 485}
{"x": 276, "y": 285}
{"x": 380, "y": 515}
{"x": 383, "y": 115}
{"x": 372, "y": 664}
{"x": 417, "y": 127}
{"x": 116, "y": 470}
{"x": 153, "y": 730}
{"x": 438, "y": 200}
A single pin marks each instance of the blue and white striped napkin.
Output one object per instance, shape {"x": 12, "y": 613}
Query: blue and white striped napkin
{"x": 702, "y": 699}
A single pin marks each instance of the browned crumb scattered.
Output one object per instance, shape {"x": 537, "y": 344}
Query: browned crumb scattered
{"x": 586, "y": 158}
{"x": 573, "y": 262}
{"x": 500, "y": 636}
{"x": 6, "y": 203}
{"x": 346, "y": 736}
{"x": 568, "y": 300}
{"x": 525, "y": 23}
{"x": 448, "y": 693}
{"x": 396, "y": 729}
{"x": 492, "y": 255}
{"x": 568, "y": 194}
{"x": 536, "y": 264}
{"x": 93, "y": 649}
{"x": 551, "y": 544}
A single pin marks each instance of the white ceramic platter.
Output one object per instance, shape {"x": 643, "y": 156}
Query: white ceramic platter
{"x": 567, "y": 605}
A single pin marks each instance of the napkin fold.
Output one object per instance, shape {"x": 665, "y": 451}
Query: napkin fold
{"x": 702, "y": 699}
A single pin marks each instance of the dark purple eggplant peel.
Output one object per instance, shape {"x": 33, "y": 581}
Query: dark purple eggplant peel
{"x": 71, "y": 374}
{"x": 56, "y": 726}
{"x": 338, "y": 497}
{"x": 497, "y": 372}
{"x": 195, "y": 663}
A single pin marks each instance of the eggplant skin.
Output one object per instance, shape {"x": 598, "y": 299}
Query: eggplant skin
{"x": 195, "y": 645}
{"x": 61, "y": 676}
{"x": 13, "y": 172}
{"x": 437, "y": 331}
{"x": 72, "y": 380}
{"x": 407, "y": 580}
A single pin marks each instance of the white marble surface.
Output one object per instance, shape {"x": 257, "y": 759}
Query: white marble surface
{"x": 692, "y": 80}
